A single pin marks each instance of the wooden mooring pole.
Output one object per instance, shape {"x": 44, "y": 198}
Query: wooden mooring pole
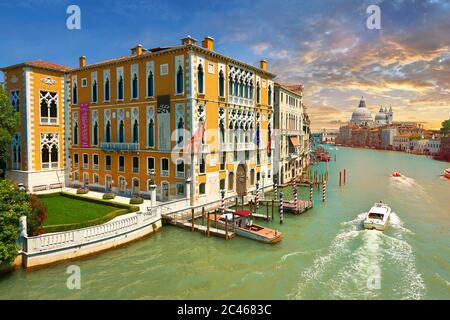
{"x": 340, "y": 178}
{"x": 273, "y": 205}
{"x": 345, "y": 176}
{"x": 192, "y": 212}
{"x": 207, "y": 228}
{"x": 203, "y": 216}
{"x": 267, "y": 210}
{"x": 226, "y": 229}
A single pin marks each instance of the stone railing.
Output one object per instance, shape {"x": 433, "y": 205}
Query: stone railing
{"x": 80, "y": 237}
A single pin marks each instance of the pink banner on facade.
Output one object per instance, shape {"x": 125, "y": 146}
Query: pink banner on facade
{"x": 84, "y": 125}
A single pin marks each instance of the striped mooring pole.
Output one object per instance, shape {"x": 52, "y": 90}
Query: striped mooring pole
{"x": 222, "y": 201}
{"x": 275, "y": 186}
{"x": 310, "y": 195}
{"x": 295, "y": 194}
{"x": 324, "y": 190}
{"x": 281, "y": 208}
{"x": 257, "y": 196}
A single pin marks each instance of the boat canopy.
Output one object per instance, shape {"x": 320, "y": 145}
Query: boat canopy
{"x": 243, "y": 213}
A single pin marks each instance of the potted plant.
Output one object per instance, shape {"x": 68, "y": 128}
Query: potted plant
{"x": 82, "y": 190}
{"x": 136, "y": 200}
{"x": 109, "y": 196}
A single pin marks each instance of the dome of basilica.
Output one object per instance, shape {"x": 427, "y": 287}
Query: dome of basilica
{"x": 361, "y": 115}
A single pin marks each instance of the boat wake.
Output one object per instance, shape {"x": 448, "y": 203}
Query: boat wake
{"x": 363, "y": 264}
{"x": 410, "y": 186}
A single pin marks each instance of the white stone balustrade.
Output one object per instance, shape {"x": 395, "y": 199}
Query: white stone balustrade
{"x": 118, "y": 226}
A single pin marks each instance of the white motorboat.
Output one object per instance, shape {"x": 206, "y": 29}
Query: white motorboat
{"x": 377, "y": 217}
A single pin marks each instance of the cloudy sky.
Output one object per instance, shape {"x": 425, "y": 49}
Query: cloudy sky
{"x": 323, "y": 44}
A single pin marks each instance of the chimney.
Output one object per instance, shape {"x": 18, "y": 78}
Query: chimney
{"x": 208, "y": 43}
{"x": 82, "y": 61}
{"x": 263, "y": 64}
{"x": 189, "y": 40}
{"x": 137, "y": 50}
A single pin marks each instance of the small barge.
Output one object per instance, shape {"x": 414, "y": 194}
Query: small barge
{"x": 244, "y": 226}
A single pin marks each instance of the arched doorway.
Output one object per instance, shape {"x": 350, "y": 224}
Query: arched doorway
{"x": 135, "y": 189}
{"x": 122, "y": 185}
{"x": 241, "y": 180}
{"x": 164, "y": 191}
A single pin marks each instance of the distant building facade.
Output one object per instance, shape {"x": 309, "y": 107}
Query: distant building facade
{"x": 292, "y": 123}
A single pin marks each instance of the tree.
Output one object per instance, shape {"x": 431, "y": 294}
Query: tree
{"x": 9, "y": 120}
{"x": 13, "y": 205}
{"x": 445, "y": 130}
{"x": 37, "y": 216}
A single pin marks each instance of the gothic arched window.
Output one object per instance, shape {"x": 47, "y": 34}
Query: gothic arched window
{"x": 135, "y": 132}
{"x": 221, "y": 84}
{"x": 120, "y": 88}
{"x": 200, "y": 79}
{"x": 270, "y": 96}
{"x": 95, "y": 134}
{"x": 107, "y": 90}
{"x": 230, "y": 85}
{"x": 108, "y": 132}
{"x": 150, "y": 84}
{"x": 54, "y": 154}
{"x": 151, "y": 133}
{"x": 121, "y": 131}
{"x": 75, "y": 133}
{"x": 94, "y": 91}
{"x": 45, "y": 156}
{"x": 180, "y": 80}
{"x": 74, "y": 94}
{"x": 258, "y": 93}
{"x": 180, "y": 127}
{"x": 135, "y": 87}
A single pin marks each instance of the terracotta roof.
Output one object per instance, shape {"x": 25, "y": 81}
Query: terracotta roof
{"x": 44, "y": 64}
{"x": 40, "y": 64}
{"x": 294, "y": 87}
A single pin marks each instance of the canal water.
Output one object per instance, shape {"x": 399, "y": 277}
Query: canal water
{"x": 325, "y": 254}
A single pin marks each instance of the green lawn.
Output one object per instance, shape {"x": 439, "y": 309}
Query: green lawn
{"x": 64, "y": 210}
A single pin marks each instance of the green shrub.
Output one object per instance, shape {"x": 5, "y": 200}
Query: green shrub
{"x": 82, "y": 191}
{"x": 85, "y": 224}
{"x": 105, "y": 202}
{"x": 136, "y": 200}
{"x": 109, "y": 196}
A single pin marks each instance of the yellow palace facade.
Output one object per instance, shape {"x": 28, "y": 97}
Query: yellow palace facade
{"x": 125, "y": 123}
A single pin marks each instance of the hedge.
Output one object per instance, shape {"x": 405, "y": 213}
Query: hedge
{"x": 122, "y": 208}
{"x": 130, "y": 208}
{"x": 85, "y": 224}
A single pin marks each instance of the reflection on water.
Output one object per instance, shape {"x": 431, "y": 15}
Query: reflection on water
{"x": 325, "y": 253}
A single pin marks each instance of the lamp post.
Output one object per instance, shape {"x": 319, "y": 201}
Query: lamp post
{"x": 152, "y": 187}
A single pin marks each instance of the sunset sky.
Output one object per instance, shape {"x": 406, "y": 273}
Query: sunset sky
{"x": 324, "y": 44}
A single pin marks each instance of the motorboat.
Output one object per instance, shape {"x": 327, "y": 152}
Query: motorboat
{"x": 378, "y": 216}
{"x": 447, "y": 173}
{"x": 244, "y": 226}
{"x": 396, "y": 174}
